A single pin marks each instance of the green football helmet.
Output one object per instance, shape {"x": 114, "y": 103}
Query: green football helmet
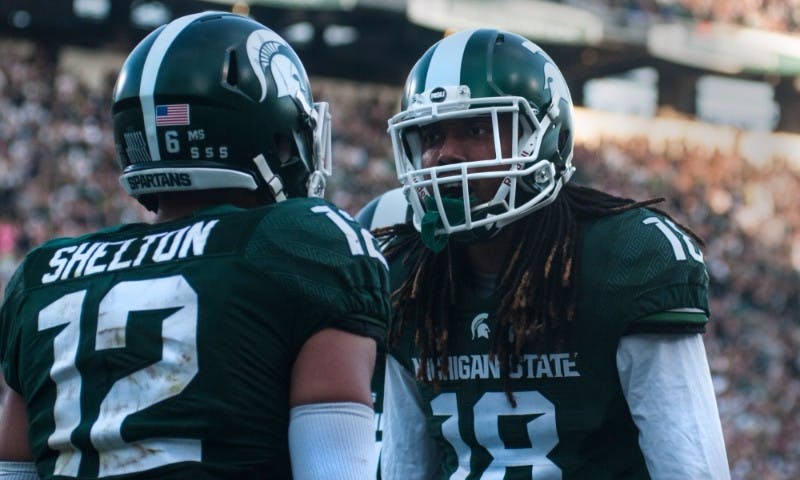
{"x": 218, "y": 100}
{"x": 493, "y": 74}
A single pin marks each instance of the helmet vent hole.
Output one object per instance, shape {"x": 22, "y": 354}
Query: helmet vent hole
{"x": 232, "y": 70}
{"x": 501, "y": 39}
{"x": 285, "y": 148}
{"x": 563, "y": 140}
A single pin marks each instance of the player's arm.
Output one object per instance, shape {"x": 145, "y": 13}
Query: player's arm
{"x": 662, "y": 361}
{"x": 407, "y": 451}
{"x": 331, "y": 429}
{"x": 667, "y": 383}
{"x": 16, "y": 461}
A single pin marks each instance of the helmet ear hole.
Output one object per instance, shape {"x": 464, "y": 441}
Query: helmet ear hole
{"x": 564, "y": 147}
{"x": 284, "y": 148}
{"x": 563, "y": 138}
{"x": 232, "y": 70}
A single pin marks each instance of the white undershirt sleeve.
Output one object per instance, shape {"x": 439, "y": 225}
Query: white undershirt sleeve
{"x": 334, "y": 441}
{"x": 18, "y": 471}
{"x": 407, "y": 451}
{"x": 667, "y": 384}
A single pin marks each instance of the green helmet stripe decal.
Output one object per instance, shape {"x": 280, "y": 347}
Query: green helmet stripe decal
{"x": 476, "y": 63}
{"x": 445, "y": 65}
{"x": 150, "y": 73}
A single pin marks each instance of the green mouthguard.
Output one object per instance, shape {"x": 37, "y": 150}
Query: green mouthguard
{"x": 432, "y": 220}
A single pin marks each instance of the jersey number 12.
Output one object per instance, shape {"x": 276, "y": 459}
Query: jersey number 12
{"x": 131, "y": 393}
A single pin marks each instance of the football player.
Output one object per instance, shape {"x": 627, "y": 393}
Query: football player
{"x": 233, "y": 338}
{"x": 542, "y": 329}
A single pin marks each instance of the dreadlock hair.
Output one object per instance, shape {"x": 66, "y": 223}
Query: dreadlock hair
{"x": 538, "y": 286}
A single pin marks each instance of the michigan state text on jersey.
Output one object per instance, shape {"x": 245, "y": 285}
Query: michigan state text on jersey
{"x": 140, "y": 348}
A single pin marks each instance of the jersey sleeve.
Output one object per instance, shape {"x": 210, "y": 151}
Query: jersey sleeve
{"x": 327, "y": 268}
{"x": 648, "y": 272}
{"x": 680, "y": 320}
{"x": 10, "y": 331}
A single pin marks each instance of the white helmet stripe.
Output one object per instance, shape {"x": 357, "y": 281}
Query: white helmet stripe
{"x": 150, "y": 72}
{"x": 444, "y": 68}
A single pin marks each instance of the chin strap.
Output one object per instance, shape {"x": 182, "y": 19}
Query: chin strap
{"x": 273, "y": 181}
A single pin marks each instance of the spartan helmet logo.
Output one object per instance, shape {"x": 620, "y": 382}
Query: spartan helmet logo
{"x": 554, "y": 81}
{"x": 479, "y": 327}
{"x": 265, "y": 49}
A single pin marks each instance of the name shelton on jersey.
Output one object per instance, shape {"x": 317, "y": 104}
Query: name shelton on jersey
{"x": 95, "y": 257}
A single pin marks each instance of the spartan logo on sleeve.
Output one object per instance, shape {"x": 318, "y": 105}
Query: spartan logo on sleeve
{"x": 266, "y": 50}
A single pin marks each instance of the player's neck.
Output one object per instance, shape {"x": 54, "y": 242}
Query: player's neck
{"x": 176, "y": 205}
{"x": 175, "y": 212}
{"x": 487, "y": 257}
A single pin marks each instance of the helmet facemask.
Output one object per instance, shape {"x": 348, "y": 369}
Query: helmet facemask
{"x": 322, "y": 163}
{"x": 443, "y": 197}
{"x": 311, "y": 150}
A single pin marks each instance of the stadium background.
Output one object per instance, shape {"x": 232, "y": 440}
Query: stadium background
{"x": 693, "y": 100}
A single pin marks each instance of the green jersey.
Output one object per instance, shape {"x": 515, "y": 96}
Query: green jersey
{"x": 165, "y": 351}
{"x": 639, "y": 273}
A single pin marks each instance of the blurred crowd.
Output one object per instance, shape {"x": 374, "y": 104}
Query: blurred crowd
{"x": 752, "y": 232}
{"x": 773, "y": 15}
{"x": 58, "y": 177}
